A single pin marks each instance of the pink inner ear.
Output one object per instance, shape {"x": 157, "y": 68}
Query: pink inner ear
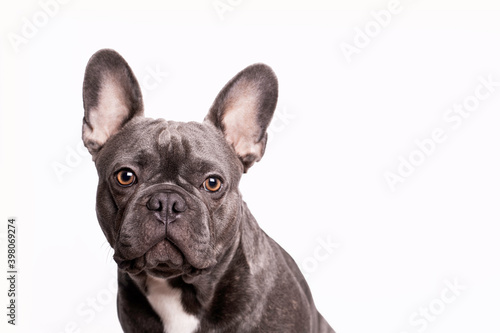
{"x": 110, "y": 113}
{"x": 241, "y": 128}
{"x": 243, "y": 109}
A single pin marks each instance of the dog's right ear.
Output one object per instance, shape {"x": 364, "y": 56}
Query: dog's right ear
{"x": 111, "y": 98}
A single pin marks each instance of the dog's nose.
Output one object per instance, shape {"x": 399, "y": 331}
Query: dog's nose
{"x": 167, "y": 206}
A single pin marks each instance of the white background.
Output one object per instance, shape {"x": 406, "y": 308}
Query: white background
{"x": 343, "y": 126}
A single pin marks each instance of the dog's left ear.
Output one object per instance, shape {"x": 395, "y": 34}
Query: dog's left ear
{"x": 243, "y": 110}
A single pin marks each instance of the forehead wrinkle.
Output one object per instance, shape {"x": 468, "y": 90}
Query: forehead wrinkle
{"x": 164, "y": 138}
{"x": 171, "y": 145}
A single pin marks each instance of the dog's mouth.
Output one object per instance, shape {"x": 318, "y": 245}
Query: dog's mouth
{"x": 163, "y": 259}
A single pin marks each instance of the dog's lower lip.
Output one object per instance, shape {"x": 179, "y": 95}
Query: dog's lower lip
{"x": 148, "y": 262}
{"x": 139, "y": 264}
{"x": 162, "y": 268}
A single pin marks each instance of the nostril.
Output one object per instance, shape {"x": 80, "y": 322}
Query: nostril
{"x": 178, "y": 205}
{"x": 154, "y": 204}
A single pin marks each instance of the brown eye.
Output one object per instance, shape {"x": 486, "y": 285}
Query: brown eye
{"x": 125, "y": 177}
{"x": 212, "y": 184}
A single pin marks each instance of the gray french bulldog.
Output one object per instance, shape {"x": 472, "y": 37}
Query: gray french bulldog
{"x": 190, "y": 255}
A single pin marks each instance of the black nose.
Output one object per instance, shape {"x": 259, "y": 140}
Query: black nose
{"x": 167, "y": 206}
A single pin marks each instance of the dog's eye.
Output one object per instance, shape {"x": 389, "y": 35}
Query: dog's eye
{"x": 212, "y": 184}
{"x": 125, "y": 177}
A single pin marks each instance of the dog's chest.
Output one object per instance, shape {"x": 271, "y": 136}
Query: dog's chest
{"x": 166, "y": 301}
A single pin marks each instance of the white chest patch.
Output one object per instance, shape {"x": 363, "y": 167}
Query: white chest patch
{"x": 166, "y": 301}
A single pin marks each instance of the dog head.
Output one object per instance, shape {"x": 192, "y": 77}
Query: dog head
{"x": 168, "y": 199}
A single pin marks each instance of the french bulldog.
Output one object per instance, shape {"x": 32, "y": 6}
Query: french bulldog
{"x": 190, "y": 255}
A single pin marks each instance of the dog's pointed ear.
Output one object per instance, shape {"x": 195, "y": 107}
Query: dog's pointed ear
{"x": 243, "y": 110}
{"x": 111, "y": 98}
